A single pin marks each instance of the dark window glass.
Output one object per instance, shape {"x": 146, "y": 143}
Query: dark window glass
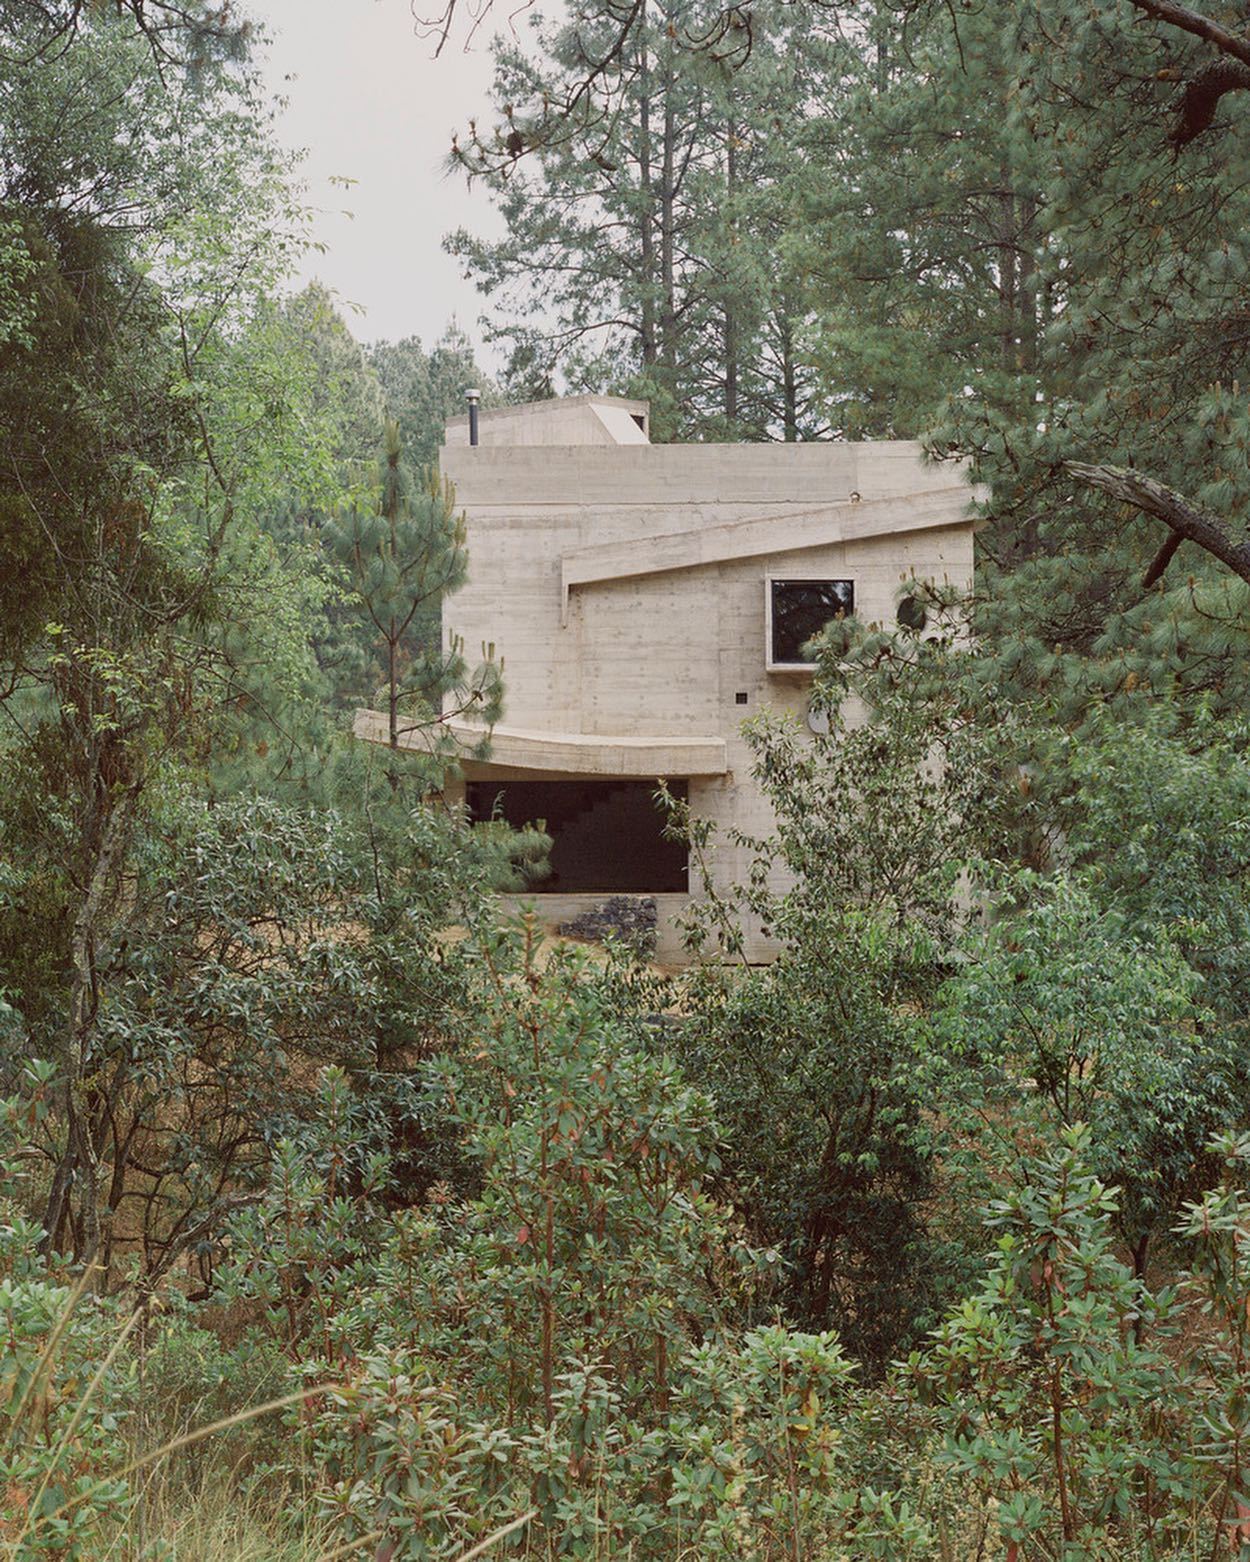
{"x": 801, "y": 609}
{"x": 605, "y": 835}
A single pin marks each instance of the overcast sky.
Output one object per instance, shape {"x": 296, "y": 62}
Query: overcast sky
{"x": 369, "y": 103}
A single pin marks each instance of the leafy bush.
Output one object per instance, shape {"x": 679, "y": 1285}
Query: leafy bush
{"x": 560, "y": 1344}
{"x": 823, "y": 1073}
{"x": 1063, "y": 1014}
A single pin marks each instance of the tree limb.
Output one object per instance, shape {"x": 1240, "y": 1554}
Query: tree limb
{"x": 1202, "y": 96}
{"x": 1199, "y": 26}
{"x": 178, "y": 32}
{"x": 212, "y": 1218}
{"x": 1186, "y": 520}
{"x": 1161, "y": 560}
{"x": 1203, "y": 91}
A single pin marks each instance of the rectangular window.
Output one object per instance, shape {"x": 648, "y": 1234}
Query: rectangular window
{"x": 797, "y": 610}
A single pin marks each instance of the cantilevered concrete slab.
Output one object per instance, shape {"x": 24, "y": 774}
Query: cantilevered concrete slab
{"x": 562, "y": 753}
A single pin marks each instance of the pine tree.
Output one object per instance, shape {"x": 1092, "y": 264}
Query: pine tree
{"x": 423, "y": 389}
{"x": 1141, "y": 361}
{"x": 1015, "y": 256}
{"x": 404, "y": 554}
{"x": 646, "y": 247}
{"x": 919, "y": 224}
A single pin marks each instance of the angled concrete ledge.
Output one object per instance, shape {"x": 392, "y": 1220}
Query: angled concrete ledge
{"x": 563, "y": 753}
{"x": 811, "y": 527}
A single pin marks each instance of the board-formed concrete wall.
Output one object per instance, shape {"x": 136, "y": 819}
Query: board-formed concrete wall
{"x": 624, "y": 585}
{"x": 649, "y": 654}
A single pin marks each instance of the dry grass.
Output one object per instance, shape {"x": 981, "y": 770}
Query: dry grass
{"x": 215, "y": 1526}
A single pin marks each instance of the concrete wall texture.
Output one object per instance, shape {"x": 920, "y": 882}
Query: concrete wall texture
{"x": 625, "y": 585}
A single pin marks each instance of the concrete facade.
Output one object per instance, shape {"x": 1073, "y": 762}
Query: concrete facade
{"x": 626, "y": 586}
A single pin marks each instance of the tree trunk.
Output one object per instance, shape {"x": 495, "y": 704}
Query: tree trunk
{"x": 56, "y": 1206}
{"x": 1008, "y": 281}
{"x": 80, "y": 1164}
{"x": 668, "y": 237}
{"x": 731, "y": 316}
{"x": 1030, "y": 323}
{"x": 392, "y": 684}
{"x": 789, "y": 381}
{"x": 646, "y": 213}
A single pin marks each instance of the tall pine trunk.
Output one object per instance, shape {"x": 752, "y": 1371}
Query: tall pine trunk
{"x": 731, "y": 317}
{"x": 1008, "y": 274}
{"x": 789, "y": 380}
{"x": 646, "y": 204}
{"x": 668, "y": 236}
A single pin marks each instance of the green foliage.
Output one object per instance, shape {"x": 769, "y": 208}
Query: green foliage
{"x": 16, "y": 265}
{"x": 256, "y": 943}
{"x": 1061, "y": 1011}
{"x": 51, "y": 1454}
{"x": 1050, "y": 1383}
{"x": 919, "y": 227}
{"x": 559, "y": 1344}
{"x": 527, "y": 1239}
{"x": 1081, "y": 1413}
{"x": 1141, "y": 261}
{"x": 423, "y": 390}
{"x": 875, "y": 815}
{"x": 1158, "y": 821}
{"x": 404, "y": 556}
{"x": 822, "y": 1064}
{"x": 57, "y": 1504}
{"x": 1219, "y": 1282}
{"x": 558, "y": 1299}
{"x": 821, "y": 1069}
{"x": 761, "y": 1426}
{"x": 345, "y": 386}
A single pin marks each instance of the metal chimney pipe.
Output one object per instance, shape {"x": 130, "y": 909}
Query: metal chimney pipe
{"x": 472, "y": 397}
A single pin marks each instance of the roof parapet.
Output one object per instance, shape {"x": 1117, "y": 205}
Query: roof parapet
{"x": 565, "y": 420}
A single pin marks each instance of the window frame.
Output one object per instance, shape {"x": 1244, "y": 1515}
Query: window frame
{"x": 789, "y": 578}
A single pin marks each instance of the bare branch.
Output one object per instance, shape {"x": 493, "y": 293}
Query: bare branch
{"x": 595, "y": 77}
{"x": 209, "y": 1221}
{"x": 182, "y": 33}
{"x": 1186, "y": 519}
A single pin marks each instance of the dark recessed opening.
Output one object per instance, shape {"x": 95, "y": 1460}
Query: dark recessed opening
{"x": 800, "y": 610}
{"x": 640, "y": 420}
{"x": 740, "y": 698}
{"x": 911, "y": 614}
{"x": 605, "y": 835}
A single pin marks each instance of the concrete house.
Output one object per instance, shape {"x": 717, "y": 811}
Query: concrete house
{"x": 648, "y": 598}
